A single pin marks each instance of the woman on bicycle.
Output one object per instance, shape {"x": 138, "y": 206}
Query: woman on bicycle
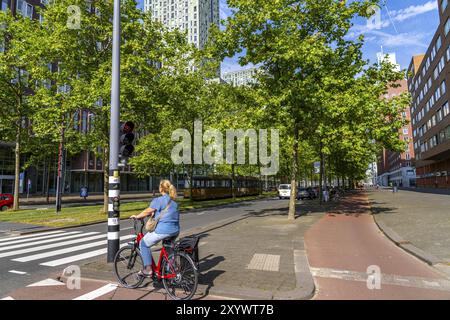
{"x": 167, "y": 227}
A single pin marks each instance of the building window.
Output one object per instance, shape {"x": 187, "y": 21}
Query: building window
{"x": 76, "y": 119}
{"x": 438, "y": 43}
{"x": 444, "y": 4}
{"x": 439, "y": 115}
{"x": 445, "y": 109}
{"x": 441, "y": 65}
{"x": 4, "y": 6}
{"x": 25, "y": 8}
{"x": 84, "y": 122}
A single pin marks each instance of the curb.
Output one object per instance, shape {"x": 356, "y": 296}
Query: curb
{"x": 406, "y": 245}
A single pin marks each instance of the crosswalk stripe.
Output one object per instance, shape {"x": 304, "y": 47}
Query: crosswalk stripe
{"x": 23, "y": 245}
{"x": 50, "y": 246}
{"x": 61, "y": 251}
{"x": 46, "y": 283}
{"x": 17, "y": 272}
{"x": 31, "y": 235}
{"x": 82, "y": 256}
{"x": 7, "y": 298}
{"x": 98, "y": 293}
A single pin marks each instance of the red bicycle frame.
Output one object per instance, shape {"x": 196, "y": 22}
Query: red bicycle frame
{"x": 162, "y": 255}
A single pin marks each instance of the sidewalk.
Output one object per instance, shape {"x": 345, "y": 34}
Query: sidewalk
{"x": 258, "y": 256}
{"x": 417, "y": 222}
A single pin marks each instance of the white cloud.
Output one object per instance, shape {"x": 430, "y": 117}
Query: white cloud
{"x": 402, "y": 39}
{"x": 413, "y": 11}
{"x": 394, "y": 16}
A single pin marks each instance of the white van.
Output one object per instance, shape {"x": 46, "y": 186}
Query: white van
{"x": 284, "y": 191}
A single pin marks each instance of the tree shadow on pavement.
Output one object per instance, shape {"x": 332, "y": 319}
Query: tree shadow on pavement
{"x": 209, "y": 263}
{"x": 379, "y": 210}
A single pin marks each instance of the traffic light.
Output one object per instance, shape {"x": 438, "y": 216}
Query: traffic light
{"x": 126, "y": 141}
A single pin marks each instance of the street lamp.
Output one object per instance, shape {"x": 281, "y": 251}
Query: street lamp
{"x": 114, "y": 177}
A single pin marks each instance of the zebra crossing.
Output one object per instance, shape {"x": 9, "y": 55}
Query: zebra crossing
{"x": 56, "y": 248}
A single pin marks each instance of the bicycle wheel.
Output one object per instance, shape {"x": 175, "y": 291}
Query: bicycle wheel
{"x": 127, "y": 263}
{"x": 184, "y": 285}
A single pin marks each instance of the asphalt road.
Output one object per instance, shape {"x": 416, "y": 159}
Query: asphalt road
{"x": 28, "y": 259}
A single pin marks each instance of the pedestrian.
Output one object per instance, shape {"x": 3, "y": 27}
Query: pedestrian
{"x": 84, "y": 192}
{"x": 165, "y": 210}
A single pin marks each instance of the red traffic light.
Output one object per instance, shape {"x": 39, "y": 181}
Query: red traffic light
{"x": 127, "y": 127}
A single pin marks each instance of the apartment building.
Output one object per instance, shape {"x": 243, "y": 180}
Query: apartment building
{"x": 192, "y": 16}
{"x": 397, "y": 168}
{"x": 241, "y": 77}
{"x": 428, "y": 84}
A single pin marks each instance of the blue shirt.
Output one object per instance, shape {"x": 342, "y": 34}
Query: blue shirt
{"x": 170, "y": 221}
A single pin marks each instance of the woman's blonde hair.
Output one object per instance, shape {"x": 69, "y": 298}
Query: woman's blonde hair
{"x": 167, "y": 187}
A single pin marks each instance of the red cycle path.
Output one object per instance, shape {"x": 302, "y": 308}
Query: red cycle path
{"x": 343, "y": 244}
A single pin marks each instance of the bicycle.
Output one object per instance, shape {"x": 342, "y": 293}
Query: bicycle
{"x": 175, "y": 269}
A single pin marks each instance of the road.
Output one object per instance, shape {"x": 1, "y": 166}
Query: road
{"x": 32, "y": 258}
{"x": 345, "y": 248}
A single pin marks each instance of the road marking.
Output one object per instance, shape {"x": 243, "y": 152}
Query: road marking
{"x": 7, "y": 298}
{"x": 98, "y": 293}
{"x": 386, "y": 279}
{"x": 17, "y": 272}
{"x": 49, "y": 246}
{"x": 201, "y": 213}
{"x": 47, "y": 283}
{"x": 31, "y": 235}
{"x": 265, "y": 262}
{"x": 202, "y": 243}
{"x": 77, "y": 235}
{"x": 127, "y": 228}
{"x": 431, "y": 283}
{"x": 60, "y": 252}
{"x": 82, "y": 256}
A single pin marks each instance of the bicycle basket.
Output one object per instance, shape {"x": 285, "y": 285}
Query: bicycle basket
{"x": 189, "y": 245}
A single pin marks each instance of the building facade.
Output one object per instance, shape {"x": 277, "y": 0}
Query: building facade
{"x": 241, "y": 77}
{"x": 397, "y": 168}
{"x": 389, "y": 57}
{"x": 428, "y": 84}
{"x": 192, "y": 16}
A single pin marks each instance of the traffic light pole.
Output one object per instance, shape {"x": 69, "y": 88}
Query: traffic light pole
{"x": 114, "y": 177}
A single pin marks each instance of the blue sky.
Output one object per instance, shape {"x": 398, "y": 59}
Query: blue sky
{"x": 406, "y": 28}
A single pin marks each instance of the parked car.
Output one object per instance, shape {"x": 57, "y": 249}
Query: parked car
{"x": 303, "y": 194}
{"x": 312, "y": 193}
{"x": 6, "y": 201}
{"x": 284, "y": 191}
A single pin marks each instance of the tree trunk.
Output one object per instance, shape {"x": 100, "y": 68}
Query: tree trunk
{"x": 59, "y": 180}
{"x": 47, "y": 186}
{"x": 17, "y": 169}
{"x": 233, "y": 182}
{"x": 321, "y": 175}
{"x": 105, "y": 180}
{"x": 293, "y": 200}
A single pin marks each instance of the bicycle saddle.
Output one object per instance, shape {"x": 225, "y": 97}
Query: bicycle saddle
{"x": 169, "y": 242}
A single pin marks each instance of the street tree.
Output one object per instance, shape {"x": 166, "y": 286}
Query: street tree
{"x": 16, "y": 39}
